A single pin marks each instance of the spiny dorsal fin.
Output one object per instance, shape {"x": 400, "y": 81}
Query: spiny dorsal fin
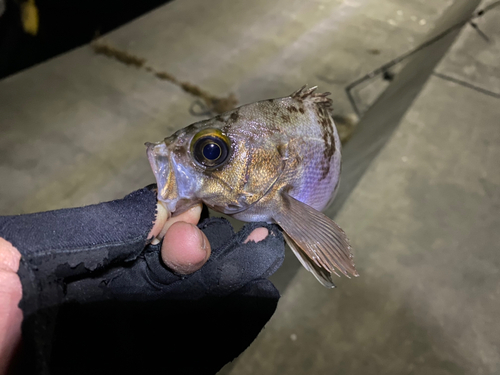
{"x": 305, "y": 94}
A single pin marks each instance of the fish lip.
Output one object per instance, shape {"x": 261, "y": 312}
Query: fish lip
{"x": 159, "y": 161}
{"x": 173, "y": 181}
{"x": 151, "y": 157}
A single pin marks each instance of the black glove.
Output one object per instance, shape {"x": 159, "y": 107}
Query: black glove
{"x": 98, "y": 299}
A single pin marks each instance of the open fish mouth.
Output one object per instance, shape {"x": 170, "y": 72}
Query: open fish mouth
{"x": 160, "y": 164}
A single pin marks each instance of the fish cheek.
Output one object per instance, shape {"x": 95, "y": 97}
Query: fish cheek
{"x": 244, "y": 180}
{"x": 221, "y": 187}
{"x": 216, "y": 194}
{"x": 263, "y": 171}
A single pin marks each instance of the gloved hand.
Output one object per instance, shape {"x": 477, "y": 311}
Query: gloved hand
{"x": 97, "y": 297}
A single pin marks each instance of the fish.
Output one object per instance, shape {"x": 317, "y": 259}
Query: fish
{"x": 275, "y": 161}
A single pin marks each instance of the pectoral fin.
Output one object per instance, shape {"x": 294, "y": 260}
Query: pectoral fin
{"x": 321, "y": 245}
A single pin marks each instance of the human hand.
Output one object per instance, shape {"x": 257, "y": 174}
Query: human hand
{"x": 132, "y": 283}
{"x": 10, "y": 295}
{"x": 185, "y": 250}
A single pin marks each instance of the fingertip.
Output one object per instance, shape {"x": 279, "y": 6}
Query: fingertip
{"x": 192, "y": 215}
{"x": 11, "y": 293}
{"x": 185, "y": 248}
{"x": 9, "y": 256}
{"x": 257, "y": 235}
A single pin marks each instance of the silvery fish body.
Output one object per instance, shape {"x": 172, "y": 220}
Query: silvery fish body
{"x": 277, "y": 160}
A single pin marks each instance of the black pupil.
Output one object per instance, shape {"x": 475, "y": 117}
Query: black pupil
{"x": 211, "y": 151}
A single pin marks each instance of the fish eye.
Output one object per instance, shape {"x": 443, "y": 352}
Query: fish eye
{"x": 210, "y": 148}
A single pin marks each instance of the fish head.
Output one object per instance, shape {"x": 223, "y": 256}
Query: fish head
{"x": 228, "y": 162}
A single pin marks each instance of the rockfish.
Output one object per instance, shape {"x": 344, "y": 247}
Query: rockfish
{"x": 277, "y": 161}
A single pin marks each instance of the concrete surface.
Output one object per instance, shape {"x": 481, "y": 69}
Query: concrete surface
{"x": 419, "y": 197}
{"x": 424, "y": 221}
{"x": 474, "y": 60}
{"x": 73, "y": 127}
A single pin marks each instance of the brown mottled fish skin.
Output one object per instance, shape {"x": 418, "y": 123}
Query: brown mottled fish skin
{"x": 283, "y": 166}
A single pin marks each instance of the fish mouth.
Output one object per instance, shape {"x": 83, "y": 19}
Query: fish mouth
{"x": 175, "y": 186}
{"x": 160, "y": 164}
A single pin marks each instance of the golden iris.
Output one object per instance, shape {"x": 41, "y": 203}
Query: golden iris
{"x": 210, "y": 148}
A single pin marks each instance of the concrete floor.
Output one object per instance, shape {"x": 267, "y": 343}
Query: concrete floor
{"x": 424, "y": 221}
{"x": 420, "y": 193}
{"x": 84, "y": 118}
